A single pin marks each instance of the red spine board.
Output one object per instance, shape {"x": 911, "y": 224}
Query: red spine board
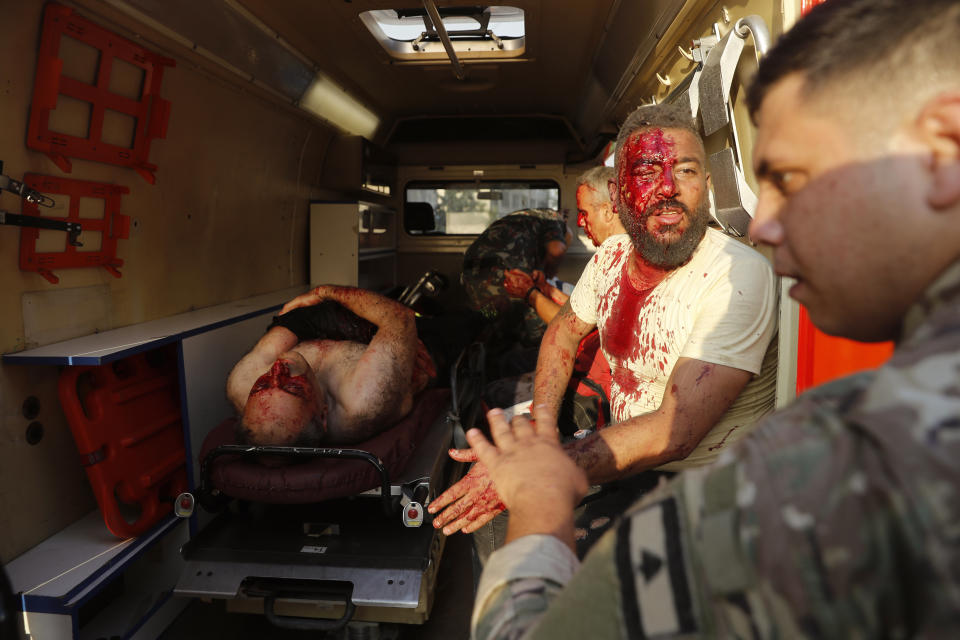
{"x": 126, "y": 422}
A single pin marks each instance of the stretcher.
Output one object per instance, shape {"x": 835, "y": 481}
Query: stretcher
{"x": 316, "y": 537}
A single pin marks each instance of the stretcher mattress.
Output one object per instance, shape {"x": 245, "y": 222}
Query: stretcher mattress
{"x": 320, "y": 479}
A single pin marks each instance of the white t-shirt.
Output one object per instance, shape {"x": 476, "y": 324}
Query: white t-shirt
{"x": 720, "y": 308}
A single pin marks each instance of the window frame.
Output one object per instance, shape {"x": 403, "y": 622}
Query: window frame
{"x": 427, "y": 183}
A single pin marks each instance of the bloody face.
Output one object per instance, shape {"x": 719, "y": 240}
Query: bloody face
{"x": 285, "y": 409}
{"x": 279, "y": 378}
{"x": 661, "y": 194}
{"x": 588, "y": 213}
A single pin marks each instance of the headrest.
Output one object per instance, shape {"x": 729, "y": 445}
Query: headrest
{"x": 418, "y": 216}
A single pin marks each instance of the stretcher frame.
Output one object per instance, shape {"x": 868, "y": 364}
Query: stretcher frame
{"x": 324, "y": 586}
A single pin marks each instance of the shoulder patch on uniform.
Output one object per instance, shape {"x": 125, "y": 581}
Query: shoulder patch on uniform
{"x": 653, "y": 573}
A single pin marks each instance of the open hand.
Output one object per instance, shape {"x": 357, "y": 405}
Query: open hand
{"x": 517, "y": 283}
{"x": 530, "y": 470}
{"x": 473, "y": 502}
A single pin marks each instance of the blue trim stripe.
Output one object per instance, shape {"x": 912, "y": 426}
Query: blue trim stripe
{"x": 69, "y": 602}
{"x": 187, "y": 444}
{"x": 13, "y": 358}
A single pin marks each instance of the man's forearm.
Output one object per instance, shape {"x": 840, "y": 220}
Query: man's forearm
{"x": 635, "y": 445}
{"x": 555, "y": 295}
{"x": 608, "y": 455}
{"x": 546, "y": 518}
{"x": 545, "y": 307}
{"x": 381, "y": 311}
{"x": 554, "y": 367}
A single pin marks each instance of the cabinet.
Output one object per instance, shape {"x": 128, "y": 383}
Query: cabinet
{"x": 353, "y": 243}
{"x": 83, "y": 582}
{"x": 356, "y": 166}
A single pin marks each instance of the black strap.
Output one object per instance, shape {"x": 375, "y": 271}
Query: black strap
{"x": 595, "y": 386}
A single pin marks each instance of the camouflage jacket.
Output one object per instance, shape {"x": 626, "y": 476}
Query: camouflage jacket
{"x": 839, "y": 517}
{"x": 516, "y": 241}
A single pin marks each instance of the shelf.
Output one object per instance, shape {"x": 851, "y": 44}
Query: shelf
{"x": 108, "y": 346}
{"x": 63, "y": 571}
{"x": 373, "y": 254}
{"x": 367, "y": 191}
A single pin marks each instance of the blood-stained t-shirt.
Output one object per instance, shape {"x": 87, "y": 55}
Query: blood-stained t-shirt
{"x": 719, "y": 308}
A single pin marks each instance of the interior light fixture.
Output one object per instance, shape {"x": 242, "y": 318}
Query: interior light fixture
{"x": 326, "y": 99}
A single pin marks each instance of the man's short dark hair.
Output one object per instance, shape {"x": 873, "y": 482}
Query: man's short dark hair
{"x": 862, "y": 42}
{"x": 668, "y": 115}
{"x": 310, "y": 436}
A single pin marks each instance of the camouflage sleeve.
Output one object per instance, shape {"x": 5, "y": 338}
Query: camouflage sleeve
{"x": 518, "y": 584}
{"x": 789, "y": 535}
{"x": 638, "y": 581}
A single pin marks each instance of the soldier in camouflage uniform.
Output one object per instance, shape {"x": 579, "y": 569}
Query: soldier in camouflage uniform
{"x": 839, "y": 517}
{"x": 530, "y": 239}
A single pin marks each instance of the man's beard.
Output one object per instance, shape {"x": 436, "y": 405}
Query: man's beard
{"x": 669, "y": 254}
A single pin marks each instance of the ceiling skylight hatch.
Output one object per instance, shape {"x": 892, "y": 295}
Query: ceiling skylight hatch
{"x": 475, "y": 32}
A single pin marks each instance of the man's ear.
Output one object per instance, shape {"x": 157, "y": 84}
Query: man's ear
{"x": 612, "y": 190}
{"x": 608, "y": 214}
{"x": 939, "y": 125}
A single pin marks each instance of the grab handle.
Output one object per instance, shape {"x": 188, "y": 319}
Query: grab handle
{"x": 271, "y": 589}
{"x": 308, "y": 624}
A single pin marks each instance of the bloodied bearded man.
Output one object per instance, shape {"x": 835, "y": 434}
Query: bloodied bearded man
{"x": 686, "y": 315}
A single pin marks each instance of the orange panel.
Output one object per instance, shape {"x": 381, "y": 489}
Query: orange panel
{"x": 821, "y": 358}
{"x": 806, "y": 5}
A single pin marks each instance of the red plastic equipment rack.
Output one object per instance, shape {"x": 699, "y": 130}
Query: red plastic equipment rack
{"x": 113, "y": 226}
{"x": 151, "y": 112}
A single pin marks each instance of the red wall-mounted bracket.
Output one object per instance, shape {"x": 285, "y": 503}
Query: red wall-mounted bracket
{"x": 113, "y": 226}
{"x": 150, "y": 112}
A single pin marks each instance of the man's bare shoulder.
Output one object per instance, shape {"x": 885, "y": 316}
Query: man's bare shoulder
{"x": 318, "y": 352}
{"x": 331, "y": 361}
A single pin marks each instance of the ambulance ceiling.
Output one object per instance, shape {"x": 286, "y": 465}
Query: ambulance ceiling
{"x": 578, "y": 59}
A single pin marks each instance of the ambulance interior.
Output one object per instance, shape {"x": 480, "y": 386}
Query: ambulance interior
{"x": 217, "y": 158}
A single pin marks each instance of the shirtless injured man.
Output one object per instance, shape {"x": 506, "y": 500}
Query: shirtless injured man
{"x": 337, "y": 366}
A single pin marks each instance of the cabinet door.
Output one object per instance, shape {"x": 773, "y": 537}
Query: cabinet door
{"x": 334, "y": 244}
{"x": 353, "y": 243}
